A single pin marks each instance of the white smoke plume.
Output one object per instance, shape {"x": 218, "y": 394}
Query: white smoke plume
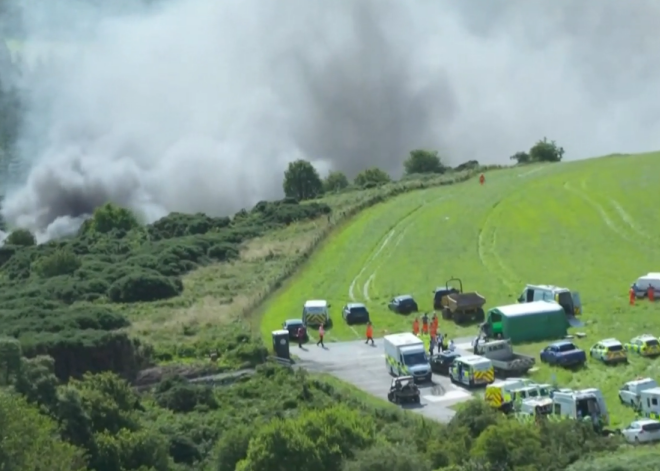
{"x": 198, "y": 105}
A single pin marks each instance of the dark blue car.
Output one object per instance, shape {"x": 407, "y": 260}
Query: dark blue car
{"x": 563, "y": 353}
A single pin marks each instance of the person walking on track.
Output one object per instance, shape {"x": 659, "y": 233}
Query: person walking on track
{"x": 321, "y": 334}
{"x": 416, "y": 326}
{"x": 370, "y": 333}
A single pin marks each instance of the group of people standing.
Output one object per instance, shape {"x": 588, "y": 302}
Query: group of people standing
{"x": 429, "y": 327}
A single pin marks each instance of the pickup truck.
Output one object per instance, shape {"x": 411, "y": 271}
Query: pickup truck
{"x": 563, "y": 354}
{"x": 506, "y": 362}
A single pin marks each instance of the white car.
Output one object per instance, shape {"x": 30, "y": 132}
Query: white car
{"x": 642, "y": 431}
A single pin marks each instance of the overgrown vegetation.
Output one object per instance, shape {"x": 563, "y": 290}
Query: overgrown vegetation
{"x": 277, "y": 419}
{"x": 57, "y": 298}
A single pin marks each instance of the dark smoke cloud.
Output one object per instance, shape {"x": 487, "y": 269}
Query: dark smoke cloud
{"x": 191, "y": 105}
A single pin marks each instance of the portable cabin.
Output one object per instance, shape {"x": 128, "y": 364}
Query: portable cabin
{"x": 527, "y": 322}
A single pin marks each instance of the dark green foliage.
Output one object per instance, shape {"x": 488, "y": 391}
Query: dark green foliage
{"x": 335, "y": 181}
{"x": 371, "y": 177}
{"x": 62, "y": 262}
{"x": 178, "y": 395}
{"x": 113, "y": 259}
{"x": 423, "y": 161}
{"x": 143, "y": 286}
{"x": 302, "y": 181}
{"x": 110, "y": 218}
{"x": 21, "y": 237}
{"x": 542, "y": 151}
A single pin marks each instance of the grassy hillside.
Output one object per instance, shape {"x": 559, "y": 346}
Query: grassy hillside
{"x": 587, "y": 225}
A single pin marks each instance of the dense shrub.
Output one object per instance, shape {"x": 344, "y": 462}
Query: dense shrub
{"x": 144, "y": 287}
{"x": 21, "y": 237}
{"x": 62, "y": 262}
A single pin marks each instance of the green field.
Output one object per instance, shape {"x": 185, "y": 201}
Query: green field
{"x": 587, "y": 225}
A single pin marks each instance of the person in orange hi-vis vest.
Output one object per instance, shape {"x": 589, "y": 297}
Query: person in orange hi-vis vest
{"x": 651, "y": 293}
{"x": 631, "y": 295}
{"x": 425, "y": 324}
{"x": 434, "y": 329}
{"x": 370, "y": 333}
{"x": 416, "y": 326}
{"x": 482, "y": 179}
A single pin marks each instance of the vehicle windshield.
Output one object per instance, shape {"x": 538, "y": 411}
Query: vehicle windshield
{"x": 614, "y": 348}
{"x": 412, "y": 359}
{"x": 544, "y": 392}
{"x": 652, "y": 343}
{"x": 567, "y": 347}
{"x": 533, "y": 393}
{"x": 358, "y": 310}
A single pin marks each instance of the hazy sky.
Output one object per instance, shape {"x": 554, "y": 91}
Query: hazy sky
{"x": 198, "y": 105}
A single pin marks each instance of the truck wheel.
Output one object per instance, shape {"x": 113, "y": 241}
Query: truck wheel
{"x": 446, "y": 314}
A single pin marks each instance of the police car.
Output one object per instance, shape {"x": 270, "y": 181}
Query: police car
{"x": 644, "y": 345}
{"x": 609, "y": 351}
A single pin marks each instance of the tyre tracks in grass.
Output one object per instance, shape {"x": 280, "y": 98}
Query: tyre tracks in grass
{"x": 488, "y": 233}
{"x": 487, "y": 250}
{"x": 629, "y": 224}
{"x": 611, "y": 222}
{"x": 374, "y": 261}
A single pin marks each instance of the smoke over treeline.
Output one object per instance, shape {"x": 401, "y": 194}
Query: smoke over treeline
{"x": 196, "y": 105}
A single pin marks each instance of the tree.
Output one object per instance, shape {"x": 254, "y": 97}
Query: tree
{"x": 10, "y": 358}
{"x": 371, "y": 177}
{"x": 110, "y": 217}
{"x": 335, "y": 181}
{"x": 546, "y": 151}
{"x": 510, "y": 443}
{"x": 521, "y": 157}
{"x": 21, "y": 237}
{"x": 423, "y": 161}
{"x": 302, "y": 181}
{"x": 29, "y": 440}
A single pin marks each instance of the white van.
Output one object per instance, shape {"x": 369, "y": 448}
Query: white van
{"x": 641, "y": 286}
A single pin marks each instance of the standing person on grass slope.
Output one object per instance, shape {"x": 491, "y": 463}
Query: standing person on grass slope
{"x": 370, "y": 333}
{"x": 321, "y": 334}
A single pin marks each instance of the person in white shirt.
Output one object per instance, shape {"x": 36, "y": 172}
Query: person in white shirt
{"x": 452, "y": 347}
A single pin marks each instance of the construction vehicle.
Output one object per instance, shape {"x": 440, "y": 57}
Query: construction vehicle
{"x": 404, "y": 390}
{"x": 505, "y": 361}
{"x": 462, "y": 308}
{"x": 405, "y": 355}
{"x": 471, "y": 371}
